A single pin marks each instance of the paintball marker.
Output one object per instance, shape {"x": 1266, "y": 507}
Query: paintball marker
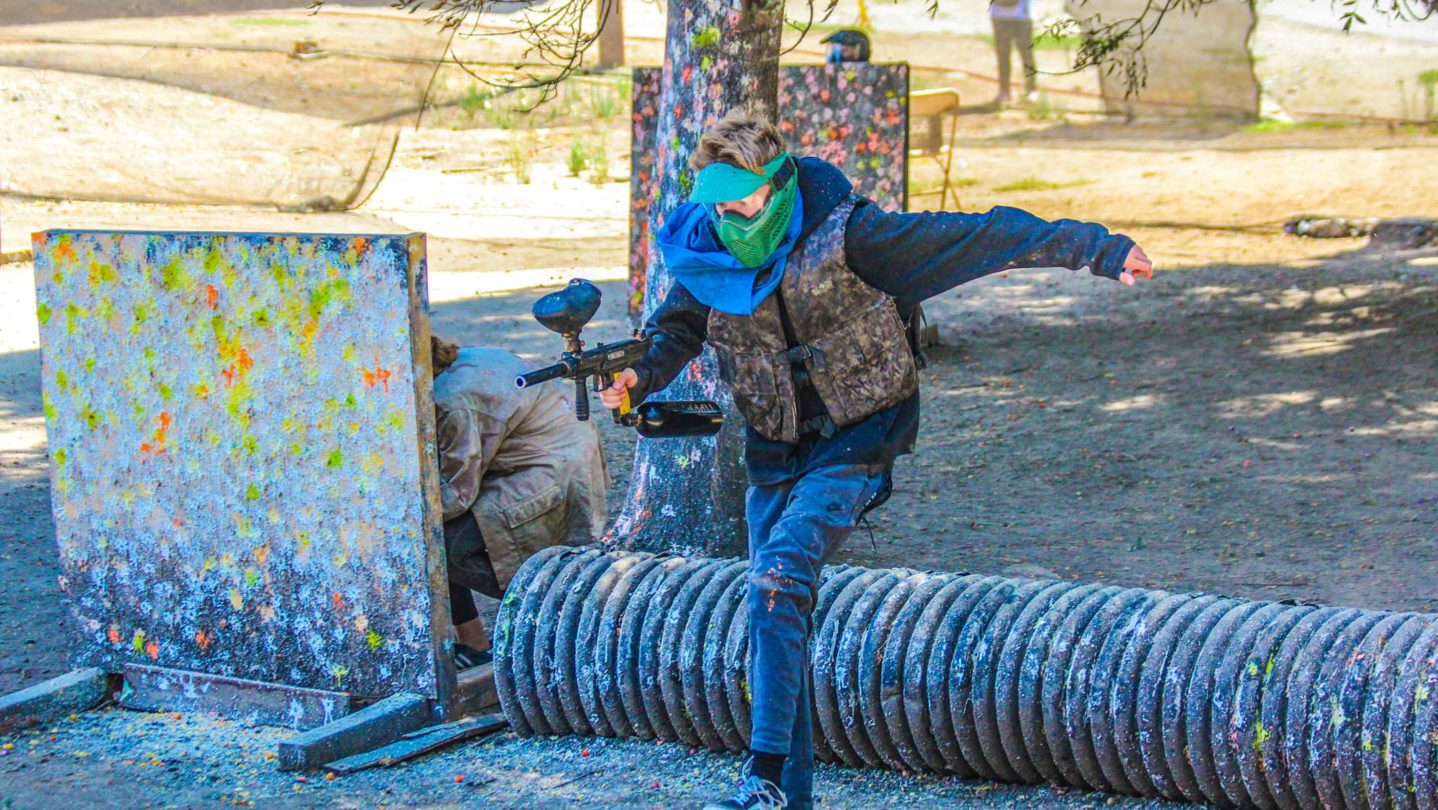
{"x": 566, "y": 312}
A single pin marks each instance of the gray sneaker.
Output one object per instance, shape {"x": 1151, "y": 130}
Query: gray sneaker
{"x": 753, "y": 794}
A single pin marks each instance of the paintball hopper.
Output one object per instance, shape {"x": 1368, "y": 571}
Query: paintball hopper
{"x": 568, "y": 310}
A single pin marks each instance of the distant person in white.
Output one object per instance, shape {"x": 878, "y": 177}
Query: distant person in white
{"x": 1014, "y": 25}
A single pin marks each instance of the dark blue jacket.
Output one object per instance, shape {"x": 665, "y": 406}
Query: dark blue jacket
{"x": 912, "y": 257}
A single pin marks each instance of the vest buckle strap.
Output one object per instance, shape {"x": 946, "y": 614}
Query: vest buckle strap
{"x": 806, "y": 352}
{"x": 822, "y": 425}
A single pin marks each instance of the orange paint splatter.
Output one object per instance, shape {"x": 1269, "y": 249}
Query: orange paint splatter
{"x": 339, "y": 602}
{"x": 153, "y": 650}
{"x": 157, "y": 442}
{"x": 212, "y": 296}
{"x": 246, "y": 361}
{"x": 361, "y": 244}
{"x": 203, "y": 639}
{"x": 113, "y": 634}
{"x": 229, "y": 375}
{"x": 379, "y": 375}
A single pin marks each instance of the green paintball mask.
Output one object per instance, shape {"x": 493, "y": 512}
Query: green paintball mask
{"x": 751, "y": 240}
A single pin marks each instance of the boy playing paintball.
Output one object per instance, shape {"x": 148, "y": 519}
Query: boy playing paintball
{"x": 798, "y": 283}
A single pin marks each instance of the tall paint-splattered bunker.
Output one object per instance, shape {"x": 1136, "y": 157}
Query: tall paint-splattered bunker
{"x": 241, "y": 434}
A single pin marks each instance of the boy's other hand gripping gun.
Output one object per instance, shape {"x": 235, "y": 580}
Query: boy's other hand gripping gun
{"x": 567, "y": 312}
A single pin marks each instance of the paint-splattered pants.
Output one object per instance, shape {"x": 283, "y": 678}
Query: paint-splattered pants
{"x": 794, "y": 526}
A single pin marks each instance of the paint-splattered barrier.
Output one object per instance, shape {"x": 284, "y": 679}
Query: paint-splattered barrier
{"x": 241, "y": 435}
{"x": 1184, "y": 696}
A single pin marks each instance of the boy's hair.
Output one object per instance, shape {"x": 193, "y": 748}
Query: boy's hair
{"x": 442, "y": 353}
{"x": 742, "y": 139}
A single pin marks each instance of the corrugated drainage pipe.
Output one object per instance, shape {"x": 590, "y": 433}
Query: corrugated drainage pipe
{"x": 1190, "y": 696}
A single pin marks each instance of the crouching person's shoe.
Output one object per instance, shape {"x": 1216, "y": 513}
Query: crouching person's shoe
{"x": 753, "y": 794}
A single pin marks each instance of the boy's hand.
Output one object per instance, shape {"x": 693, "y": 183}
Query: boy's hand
{"x": 614, "y": 394}
{"x": 1136, "y": 265}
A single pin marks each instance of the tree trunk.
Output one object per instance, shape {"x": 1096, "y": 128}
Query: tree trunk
{"x": 611, "y": 34}
{"x": 687, "y": 495}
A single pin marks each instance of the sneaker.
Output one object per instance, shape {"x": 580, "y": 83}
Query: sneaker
{"x": 467, "y": 657}
{"x": 753, "y": 794}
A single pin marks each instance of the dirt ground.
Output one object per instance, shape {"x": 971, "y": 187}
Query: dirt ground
{"x": 1261, "y": 420}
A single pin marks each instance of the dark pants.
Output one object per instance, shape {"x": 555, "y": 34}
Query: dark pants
{"x": 1008, "y": 33}
{"x": 461, "y": 535}
{"x": 794, "y": 526}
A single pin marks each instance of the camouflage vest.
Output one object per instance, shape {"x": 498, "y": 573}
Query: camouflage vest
{"x": 851, "y": 341}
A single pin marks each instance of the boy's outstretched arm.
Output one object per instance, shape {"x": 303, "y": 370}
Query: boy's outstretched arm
{"x": 917, "y": 256}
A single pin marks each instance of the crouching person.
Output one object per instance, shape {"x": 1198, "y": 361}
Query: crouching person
{"x": 517, "y": 473}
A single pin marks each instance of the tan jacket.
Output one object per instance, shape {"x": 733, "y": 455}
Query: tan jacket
{"x": 532, "y": 474}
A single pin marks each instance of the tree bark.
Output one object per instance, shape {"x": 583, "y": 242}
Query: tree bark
{"x": 611, "y": 34}
{"x": 687, "y": 495}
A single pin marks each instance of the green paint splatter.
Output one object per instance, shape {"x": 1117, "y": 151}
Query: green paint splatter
{"x": 89, "y": 364}
{"x": 139, "y": 315}
{"x": 706, "y": 63}
{"x": 1260, "y": 737}
{"x": 212, "y": 260}
{"x": 706, "y": 37}
{"x": 252, "y": 493}
{"x": 249, "y": 445}
{"x": 251, "y": 577}
{"x": 336, "y": 460}
{"x": 72, "y": 315}
{"x": 165, "y": 391}
{"x": 62, "y": 380}
{"x": 351, "y": 402}
{"x": 261, "y": 318}
{"x": 175, "y": 278}
{"x": 375, "y": 640}
{"x": 339, "y": 672}
{"x": 61, "y": 456}
{"x": 138, "y": 642}
{"x": 43, "y": 313}
{"x": 686, "y": 182}
{"x": 1421, "y": 693}
{"x": 91, "y": 418}
{"x": 210, "y": 563}
{"x": 101, "y": 273}
{"x": 49, "y": 412}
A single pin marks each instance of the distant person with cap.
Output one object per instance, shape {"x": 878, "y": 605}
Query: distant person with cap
{"x": 1013, "y": 22}
{"x": 847, "y": 45}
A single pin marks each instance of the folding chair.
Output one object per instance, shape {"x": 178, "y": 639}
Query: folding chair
{"x": 932, "y": 106}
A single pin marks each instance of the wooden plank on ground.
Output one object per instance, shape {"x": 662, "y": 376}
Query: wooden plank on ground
{"x": 473, "y": 693}
{"x": 369, "y": 728}
{"x": 75, "y": 691}
{"x": 161, "y": 689}
{"x": 418, "y": 743}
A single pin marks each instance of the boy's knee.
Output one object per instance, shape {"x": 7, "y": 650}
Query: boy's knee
{"x": 771, "y": 585}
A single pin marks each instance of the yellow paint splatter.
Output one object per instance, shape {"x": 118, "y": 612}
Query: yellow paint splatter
{"x": 138, "y": 642}
{"x": 375, "y": 640}
{"x": 236, "y": 600}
